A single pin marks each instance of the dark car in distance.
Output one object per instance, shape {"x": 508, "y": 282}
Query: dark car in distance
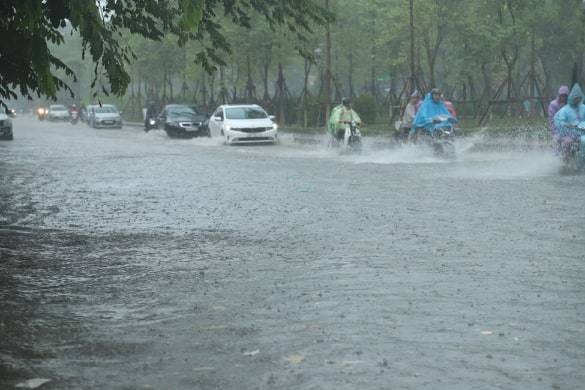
{"x": 6, "y": 127}
{"x": 182, "y": 121}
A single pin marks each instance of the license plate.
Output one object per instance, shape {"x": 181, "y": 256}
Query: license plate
{"x": 108, "y": 122}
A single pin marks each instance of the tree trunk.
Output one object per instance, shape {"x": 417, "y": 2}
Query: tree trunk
{"x": 212, "y": 90}
{"x": 265, "y": 70}
{"x": 327, "y": 66}
{"x": 350, "y": 76}
{"x": 204, "y": 89}
{"x": 373, "y": 87}
{"x": 412, "y": 52}
{"x": 250, "y": 87}
{"x": 164, "y": 86}
{"x": 223, "y": 94}
{"x": 281, "y": 93}
{"x": 305, "y": 93}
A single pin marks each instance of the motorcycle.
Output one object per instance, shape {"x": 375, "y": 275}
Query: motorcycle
{"x": 42, "y": 113}
{"x": 74, "y": 117}
{"x": 401, "y": 133}
{"x": 573, "y": 156}
{"x": 150, "y": 123}
{"x": 351, "y": 138}
{"x": 440, "y": 137}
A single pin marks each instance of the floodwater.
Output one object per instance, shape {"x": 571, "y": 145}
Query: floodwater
{"x": 131, "y": 261}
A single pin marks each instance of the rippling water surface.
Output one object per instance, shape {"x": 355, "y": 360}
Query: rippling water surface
{"x": 128, "y": 260}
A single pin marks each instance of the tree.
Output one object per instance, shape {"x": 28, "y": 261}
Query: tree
{"x": 28, "y": 28}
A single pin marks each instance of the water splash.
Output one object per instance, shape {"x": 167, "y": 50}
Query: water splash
{"x": 508, "y": 165}
{"x": 406, "y": 154}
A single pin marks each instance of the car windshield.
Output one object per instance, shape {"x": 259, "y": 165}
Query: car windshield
{"x": 106, "y": 110}
{"x": 245, "y": 113}
{"x": 58, "y": 108}
{"x": 182, "y": 111}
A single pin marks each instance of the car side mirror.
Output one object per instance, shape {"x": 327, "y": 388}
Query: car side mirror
{"x": 272, "y": 117}
{"x": 218, "y": 118}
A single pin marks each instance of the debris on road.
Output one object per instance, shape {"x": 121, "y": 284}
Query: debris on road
{"x": 295, "y": 359}
{"x": 32, "y": 383}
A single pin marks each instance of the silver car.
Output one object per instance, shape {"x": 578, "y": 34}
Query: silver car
{"x": 58, "y": 112}
{"x": 104, "y": 116}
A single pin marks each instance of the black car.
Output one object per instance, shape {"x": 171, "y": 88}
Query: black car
{"x": 182, "y": 121}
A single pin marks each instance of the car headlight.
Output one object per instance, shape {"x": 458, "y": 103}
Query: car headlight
{"x": 227, "y": 127}
{"x": 152, "y": 122}
{"x": 274, "y": 126}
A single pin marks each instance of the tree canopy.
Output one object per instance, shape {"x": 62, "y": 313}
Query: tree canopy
{"x": 477, "y": 51}
{"x": 30, "y": 27}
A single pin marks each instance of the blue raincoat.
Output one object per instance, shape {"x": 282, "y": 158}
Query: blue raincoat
{"x": 570, "y": 114}
{"x": 428, "y": 110}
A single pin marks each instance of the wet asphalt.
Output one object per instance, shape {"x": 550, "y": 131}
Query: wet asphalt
{"x": 132, "y": 261}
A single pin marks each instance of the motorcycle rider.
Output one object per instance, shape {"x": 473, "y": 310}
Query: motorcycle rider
{"x": 427, "y": 117}
{"x": 73, "y": 108}
{"x": 566, "y": 135}
{"x": 339, "y": 117}
{"x": 555, "y": 107}
{"x": 408, "y": 115}
{"x": 450, "y": 106}
{"x": 73, "y": 113}
{"x": 150, "y": 113}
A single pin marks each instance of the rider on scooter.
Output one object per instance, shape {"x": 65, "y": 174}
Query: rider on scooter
{"x": 73, "y": 108}
{"x": 566, "y": 120}
{"x": 340, "y": 116}
{"x": 432, "y": 114}
{"x": 408, "y": 116}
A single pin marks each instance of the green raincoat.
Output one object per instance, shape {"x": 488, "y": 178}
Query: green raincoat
{"x": 341, "y": 114}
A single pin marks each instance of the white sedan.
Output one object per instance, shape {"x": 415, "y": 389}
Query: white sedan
{"x": 243, "y": 124}
{"x": 58, "y": 112}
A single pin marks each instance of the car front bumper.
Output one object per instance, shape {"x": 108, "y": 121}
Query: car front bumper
{"x": 58, "y": 117}
{"x": 186, "y": 132}
{"x": 108, "y": 124}
{"x": 241, "y": 137}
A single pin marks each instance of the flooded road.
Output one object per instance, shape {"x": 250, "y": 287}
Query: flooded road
{"x": 131, "y": 261}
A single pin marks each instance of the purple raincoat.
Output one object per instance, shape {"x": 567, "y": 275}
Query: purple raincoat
{"x": 554, "y": 107}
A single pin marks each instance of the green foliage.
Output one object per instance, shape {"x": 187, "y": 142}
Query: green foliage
{"x": 367, "y": 107}
{"x": 460, "y": 46}
{"x": 26, "y": 28}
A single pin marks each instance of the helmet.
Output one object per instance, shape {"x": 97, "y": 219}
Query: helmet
{"x": 346, "y": 101}
{"x": 436, "y": 91}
